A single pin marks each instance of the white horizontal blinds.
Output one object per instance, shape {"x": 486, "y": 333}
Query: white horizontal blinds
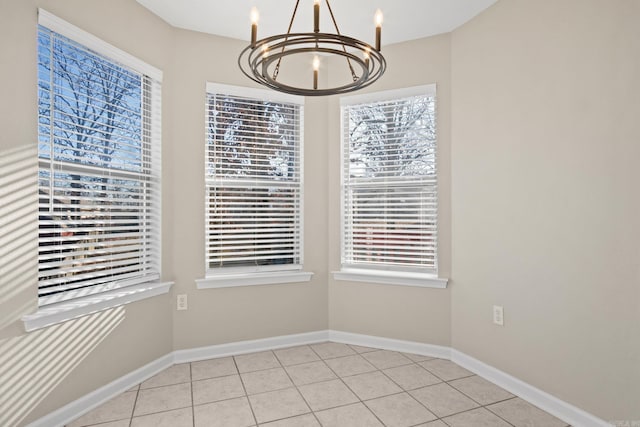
{"x": 253, "y": 180}
{"x": 390, "y": 185}
{"x": 99, "y": 176}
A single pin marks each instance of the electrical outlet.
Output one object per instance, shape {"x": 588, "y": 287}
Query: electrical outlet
{"x": 498, "y": 315}
{"x": 182, "y": 302}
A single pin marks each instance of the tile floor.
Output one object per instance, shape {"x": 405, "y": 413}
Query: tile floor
{"x": 326, "y": 384}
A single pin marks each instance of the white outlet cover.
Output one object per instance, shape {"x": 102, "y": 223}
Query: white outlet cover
{"x": 182, "y": 302}
{"x": 498, "y": 315}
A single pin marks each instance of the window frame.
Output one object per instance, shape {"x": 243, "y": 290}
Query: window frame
{"x": 388, "y": 275}
{"x": 75, "y": 303}
{"x": 233, "y": 276}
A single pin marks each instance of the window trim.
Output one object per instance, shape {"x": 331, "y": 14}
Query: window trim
{"x": 232, "y": 280}
{"x": 387, "y": 275}
{"x": 70, "y": 31}
{"x": 268, "y": 274}
{"x": 113, "y": 294}
{"x": 71, "y": 309}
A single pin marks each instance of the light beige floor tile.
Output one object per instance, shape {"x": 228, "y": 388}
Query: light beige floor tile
{"x": 256, "y": 361}
{"x": 476, "y": 418}
{"x": 328, "y": 394}
{"x": 481, "y": 390}
{"x": 417, "y": 357}
{"x": 177, "y": 418}
{"x": 227, "y": 413}
{"x": 445, "y": 369}
{"x": 350, "y": 365}
{"x": 215, "y": 389}
{"x": 176, "y": 374}
{"x": 410, "y": 377}
{"x": 360, "y": 349}
{"x": 267, "y": 380}
{"x": 276, "y": 405}
{"x": 384, "y": 359}
{"x": 309, "y": 373}
{"x": 399, "y": 410}
{"x": 135, "y": 388}
{"x": 443, "y": 400}
{"x": 521, "y": 414}
{"x": 307, "y": 420}
{"x": 356, "y": 415}
{"x": 163, "y": 399}
{"x": 328, "y": 350}
{"x": 296, "y": 355}
{"x": 213, "y": 368}
{"x": 118, "y": 408}
{"x": 371, "y": 385}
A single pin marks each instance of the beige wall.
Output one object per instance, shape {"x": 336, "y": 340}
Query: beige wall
{"x": 64, "y": 362}
{"x": 232, "y": 314}
{"x": 546, "y": 212}
{"x": 101, "y": 348}
{"x": 400, "y": 312}
{"x": 538, "y": 143}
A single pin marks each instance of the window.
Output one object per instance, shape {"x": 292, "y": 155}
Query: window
{"x": 99, "y": 165}
{"x": 389, "y": 187}
{"x": 253, "y": 173}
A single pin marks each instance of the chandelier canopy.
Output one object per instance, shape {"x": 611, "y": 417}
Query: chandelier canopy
{"x": 262, "y": 60}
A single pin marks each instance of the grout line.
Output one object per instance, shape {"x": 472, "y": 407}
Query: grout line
{"x": 475, "y": 401}
{"x": 298, "y": 390}
{"x": 163, "y": 411}
{"x": 489, "y": 409}
{"x": 166, "y": 385}
{"x": 245, "y": 389}
{"x": 338, "y": 377}
{"x": 135, "y": 402}
{"x": 353, "y": 392}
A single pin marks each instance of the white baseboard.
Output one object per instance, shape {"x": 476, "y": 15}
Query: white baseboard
{"x": 551, "y": 404}
{"x": 242, "y": 347}
{"x": 563, "y": 410}
{"x": 391, "y": 344}
{"x": 81, "y": 406}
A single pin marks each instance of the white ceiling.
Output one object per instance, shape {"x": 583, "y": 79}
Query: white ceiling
{"x": 403, "y": 19}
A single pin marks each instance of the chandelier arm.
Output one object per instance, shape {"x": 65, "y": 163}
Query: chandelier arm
{"x": 254, "y": 63}
{"x": 335, "y": 24}
{"x": 293, "y": 17}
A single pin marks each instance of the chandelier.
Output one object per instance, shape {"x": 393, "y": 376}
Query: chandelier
{"x": 261, "y": 61}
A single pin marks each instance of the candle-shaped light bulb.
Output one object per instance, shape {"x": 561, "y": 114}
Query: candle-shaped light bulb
{"x": 379, "y": 20}
{"x": 316, "y": 16}
{"x": 316, "y": 67}
{"x": 367, "y": 56}
{"x": 254, "y": 25}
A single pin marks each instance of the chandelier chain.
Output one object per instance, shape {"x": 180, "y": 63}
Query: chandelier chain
{"x": 335, "y": 24}
{"x": 293, "y": 17}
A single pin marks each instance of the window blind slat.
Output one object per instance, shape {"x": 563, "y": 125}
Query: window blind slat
{"x": 253, "y": 172}
{"x": 390, "y": 184}
{"x": 99, "y": 177}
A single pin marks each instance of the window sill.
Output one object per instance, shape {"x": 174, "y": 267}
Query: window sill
{"x": 253, "y": 279}
{"x": 61, "y": 312}
{"x": 391, "y": 278}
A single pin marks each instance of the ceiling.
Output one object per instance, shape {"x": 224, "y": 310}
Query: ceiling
{"x": 403, "y": 19}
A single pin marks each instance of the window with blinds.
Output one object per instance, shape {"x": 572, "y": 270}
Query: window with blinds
{"x": 389, "y": 184}
{"x": 253, "y": 172}
{"x": 99, "y": 166}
